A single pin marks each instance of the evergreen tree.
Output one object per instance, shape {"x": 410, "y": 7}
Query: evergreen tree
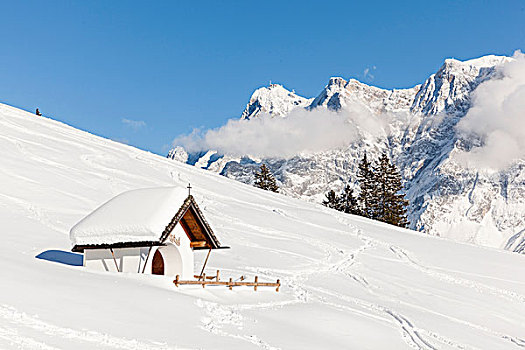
{"x": 331, "y": 200}
{"x": 389, "y": 205}
{"x": 265, "y": 180}
{"x": 397, "y": 213}
{"x": 347, "y": 203}
{"x": 381, "y": 191}
{"x": 365, "y": 177}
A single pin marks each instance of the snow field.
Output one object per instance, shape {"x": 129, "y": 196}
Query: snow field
{"x": 348, "y": 282}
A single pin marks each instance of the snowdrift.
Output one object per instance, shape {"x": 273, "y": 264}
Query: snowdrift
{"x": 347, "y": 282}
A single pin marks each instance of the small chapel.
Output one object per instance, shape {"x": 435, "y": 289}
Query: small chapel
{"x": 151, "y": 230}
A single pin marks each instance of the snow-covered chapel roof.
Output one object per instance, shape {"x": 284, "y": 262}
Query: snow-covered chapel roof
{"x": 139, "y": 217}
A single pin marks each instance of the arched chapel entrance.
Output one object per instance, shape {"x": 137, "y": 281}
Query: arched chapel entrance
{"x": 157, "y": 265}
{"x": 167, "y": 261}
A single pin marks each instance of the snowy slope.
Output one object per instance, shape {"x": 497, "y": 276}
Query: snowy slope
{"x": 347, "y": 282}
{"x": 447, "y": 199}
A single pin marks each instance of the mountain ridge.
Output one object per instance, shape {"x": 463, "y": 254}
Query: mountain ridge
{"x": 446, "y": 198}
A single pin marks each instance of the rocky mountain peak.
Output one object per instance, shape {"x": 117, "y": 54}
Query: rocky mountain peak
{"x": 449, "y": 89}
{"x": 274, "y": 100}
{"x": 336, "y": 83}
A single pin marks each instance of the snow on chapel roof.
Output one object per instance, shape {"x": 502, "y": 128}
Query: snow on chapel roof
{"x": 133, "y": 216}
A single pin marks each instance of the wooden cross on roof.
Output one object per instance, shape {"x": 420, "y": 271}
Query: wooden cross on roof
{"x": 189, "y": 189}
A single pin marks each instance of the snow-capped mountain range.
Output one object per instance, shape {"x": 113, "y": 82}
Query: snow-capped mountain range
{"x": 446, "y": 198}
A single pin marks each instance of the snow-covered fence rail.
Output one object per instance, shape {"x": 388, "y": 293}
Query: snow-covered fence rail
{"x": 230, "y": 284}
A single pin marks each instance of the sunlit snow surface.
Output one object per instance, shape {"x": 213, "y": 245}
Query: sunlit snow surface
{"x": 133, "y": 216}
{"x": 348, "y": 283}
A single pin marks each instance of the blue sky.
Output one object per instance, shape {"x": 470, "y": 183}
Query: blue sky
{"x": 145, "y": 72}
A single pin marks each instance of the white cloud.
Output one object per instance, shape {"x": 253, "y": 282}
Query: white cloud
{"x": 367, "y": 73}
{"x": 497, "y": 118}
{"x": 301, "y": 131}
{"x": 133, "y": 124}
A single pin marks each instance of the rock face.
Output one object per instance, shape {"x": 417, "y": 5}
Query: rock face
{"x": 446, "y": 199}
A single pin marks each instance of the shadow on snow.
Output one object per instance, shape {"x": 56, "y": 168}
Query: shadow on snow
{"x": 62, "y": 257}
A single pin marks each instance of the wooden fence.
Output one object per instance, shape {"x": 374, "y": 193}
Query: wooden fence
{"x": 215, "y": 281}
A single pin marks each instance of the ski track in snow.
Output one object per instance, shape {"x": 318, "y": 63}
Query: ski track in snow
{"x": 88, "y": 338}
{"x": 480, "y": 287}
{"x": 301, "y": 292}
{"x": 218, "y": 316}
{"x": 11, "y": 337}
{"x": 411, "y": 335}
{"x": 299, "y": 289}
{"x": 404, "y": 256}
{"x": 37, "y": 213}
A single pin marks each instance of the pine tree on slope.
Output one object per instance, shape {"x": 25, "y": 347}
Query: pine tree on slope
{"x": 389, "y": 205}
{"x": 347, "y": 203}
{"x": 265, "y": 180}
{"x": 331, "y": 200}
{"x": 365, "y": 177}
{"x": 381, "y": 191}
{"x": 397, "y": 214}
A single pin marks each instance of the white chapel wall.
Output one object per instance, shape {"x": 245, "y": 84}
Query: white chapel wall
{"x": 180, "y": 241}
{"x": 127, "y": 259}
{"x": 177, "y": 254}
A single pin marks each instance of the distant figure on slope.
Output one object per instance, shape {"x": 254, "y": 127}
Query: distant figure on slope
{"x": 38, "y": 112}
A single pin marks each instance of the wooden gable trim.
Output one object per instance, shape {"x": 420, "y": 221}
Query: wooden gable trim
{"x": 211, "y": 238}
{"x": 178, "y": 216}
{"x": 196, "y": 232}
{"x": 201, "y": 221}
{"x": 186, "y": 229}
{"x": 195, "y": 229}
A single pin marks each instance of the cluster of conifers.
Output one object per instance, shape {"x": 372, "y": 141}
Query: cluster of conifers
{"x": 380, "y": 193}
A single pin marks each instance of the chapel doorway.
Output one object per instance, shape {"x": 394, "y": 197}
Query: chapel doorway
{"x": 157, "y": 265}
